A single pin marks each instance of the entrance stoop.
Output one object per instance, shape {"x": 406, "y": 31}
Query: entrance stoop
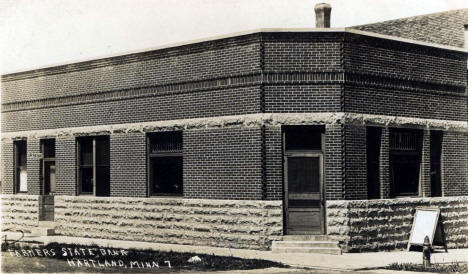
{"x": 45, "y": 228}
{"x": 306, "y": 244}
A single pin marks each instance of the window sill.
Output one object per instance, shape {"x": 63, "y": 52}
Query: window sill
{"x": 167, "y": 196}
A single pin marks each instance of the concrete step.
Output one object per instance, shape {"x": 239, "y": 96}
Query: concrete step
{"x": 305, "y": 238}
{"x": 304, "y": 244}
{"x": 321, "y": 250}
{"x": 49, "y": 224}
{"x": 42, "y": 231}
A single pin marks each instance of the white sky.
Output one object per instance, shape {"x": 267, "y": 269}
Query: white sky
{"x": 39, "y": 33}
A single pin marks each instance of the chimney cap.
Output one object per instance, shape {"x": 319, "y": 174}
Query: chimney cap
{"x": 322, "y": 6}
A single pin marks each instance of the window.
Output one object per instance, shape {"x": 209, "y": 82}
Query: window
{"x": 405, "y": 162}
{"x": 436, "y": 172}
{"x": 165, "y": 163}
{"x": 373, "y": 162}
{"x": 21, "y": 171}
{"x": 93, "y": 162}
{"x": 303, "y": 137}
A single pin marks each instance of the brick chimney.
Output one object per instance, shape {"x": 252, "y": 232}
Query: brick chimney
{"x": 322, "y": 15}
{"x": 466, "y": 36}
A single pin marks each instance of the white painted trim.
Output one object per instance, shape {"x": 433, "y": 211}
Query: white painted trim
{"x": 247, "y": 120}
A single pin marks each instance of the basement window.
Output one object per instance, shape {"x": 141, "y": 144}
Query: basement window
{"x": 165, "y": 163}
{"x": 21, "y": 171}
{"x": 94, "y": 165}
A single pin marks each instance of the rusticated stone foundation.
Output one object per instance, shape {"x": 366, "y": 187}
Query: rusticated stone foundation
{"x": 20, "y": 212}
{"x": 222, "y": 223}
{"x": 371, "y": 225}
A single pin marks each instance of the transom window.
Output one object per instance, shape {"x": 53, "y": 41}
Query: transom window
{"x": 165, "y": 163}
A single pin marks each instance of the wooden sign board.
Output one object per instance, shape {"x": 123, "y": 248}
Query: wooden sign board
{"x": 424, "y": 224}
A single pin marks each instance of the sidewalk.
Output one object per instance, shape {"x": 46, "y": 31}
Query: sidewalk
{"x": 346, "y": 261}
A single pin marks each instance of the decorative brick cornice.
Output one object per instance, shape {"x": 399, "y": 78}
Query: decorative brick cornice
{"x": 391, "y": 82}
{"x": 249, "y": 121}
{"x": 266, "y": 78}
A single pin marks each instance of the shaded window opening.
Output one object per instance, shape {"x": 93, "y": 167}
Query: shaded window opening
{"x": 94, "y": 165}
{"x": 436, "y": 152}
{"x": 21, "y": 171}
{"x": 165, "y": 151}
{"x": 47, "y": 166}
{"x": 405, "y": 161}
{"x": 303, "y": 137}
{"x": 373, "y": 136}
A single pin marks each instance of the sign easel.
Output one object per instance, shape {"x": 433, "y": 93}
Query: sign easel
{"x": 426, "y": 223}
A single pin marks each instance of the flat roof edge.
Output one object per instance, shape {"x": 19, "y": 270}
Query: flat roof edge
{"x": 233, "y": 35}
{"x": 405, "y": 40}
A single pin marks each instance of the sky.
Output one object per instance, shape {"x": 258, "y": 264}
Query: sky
{"x": 41, "y": 33}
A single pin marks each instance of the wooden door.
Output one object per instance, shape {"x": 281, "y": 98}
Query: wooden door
{"x": 303, "y": 199}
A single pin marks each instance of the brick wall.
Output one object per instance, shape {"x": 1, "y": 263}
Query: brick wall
{"x": 356, "y": 162}
{"x": 172, "y": 106}
{"x": 238, "y": 55}
{"x": 65, "y": 162}
{"x": 302, "y": 98}
{"x": 8, "y": 167}
{"x": 305, "y": 52}
{"x": 403, "y": 60}
{"x": 33, "y": 165}
{"x": 334, "y": 162}
{"x": 274, "y": 163}
{"x": 454, "y": 164}
{"x": 223, "y": 163}
{"x": 128, "y": 165}
{"x": 384, "y": 101}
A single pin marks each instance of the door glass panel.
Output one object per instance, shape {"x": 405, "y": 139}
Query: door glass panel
{"x": 303, "y": 174}
{"x": 52, "y": 178}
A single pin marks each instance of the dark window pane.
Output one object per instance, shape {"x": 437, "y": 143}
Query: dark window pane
{"x": 21, "y": 152}
{"x": 167, "y": 175}
{"x": 303, "y": 203}
{"x": 303, "y": 137}
{"x": 166, "y": 142}
{"x": 405, "y": 173}
{"x": 303, "y": 174}
{"x": 86, "y": 175}
{"x": 86, "y": 150}
{"x": 102, "y": 151}
{"x": 48, "y": 148}
{"x": 436, "y": 152}
{"x": 103, "y": 181}
{"x": 373, "y": 154}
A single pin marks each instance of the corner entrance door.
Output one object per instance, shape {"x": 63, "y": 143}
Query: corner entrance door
{"x": 303, "y": 199}
{"x": 49, "y": 177}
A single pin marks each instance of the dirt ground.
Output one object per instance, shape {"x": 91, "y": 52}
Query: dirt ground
{"x": 14, "y": 264}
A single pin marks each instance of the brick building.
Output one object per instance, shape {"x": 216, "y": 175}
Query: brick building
{"x": 239, "y": 140}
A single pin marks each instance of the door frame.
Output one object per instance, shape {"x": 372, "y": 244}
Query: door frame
{"x": 312, "y": 154}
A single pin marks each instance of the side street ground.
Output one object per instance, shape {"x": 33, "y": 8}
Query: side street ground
{"x": 337, "y": 263}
